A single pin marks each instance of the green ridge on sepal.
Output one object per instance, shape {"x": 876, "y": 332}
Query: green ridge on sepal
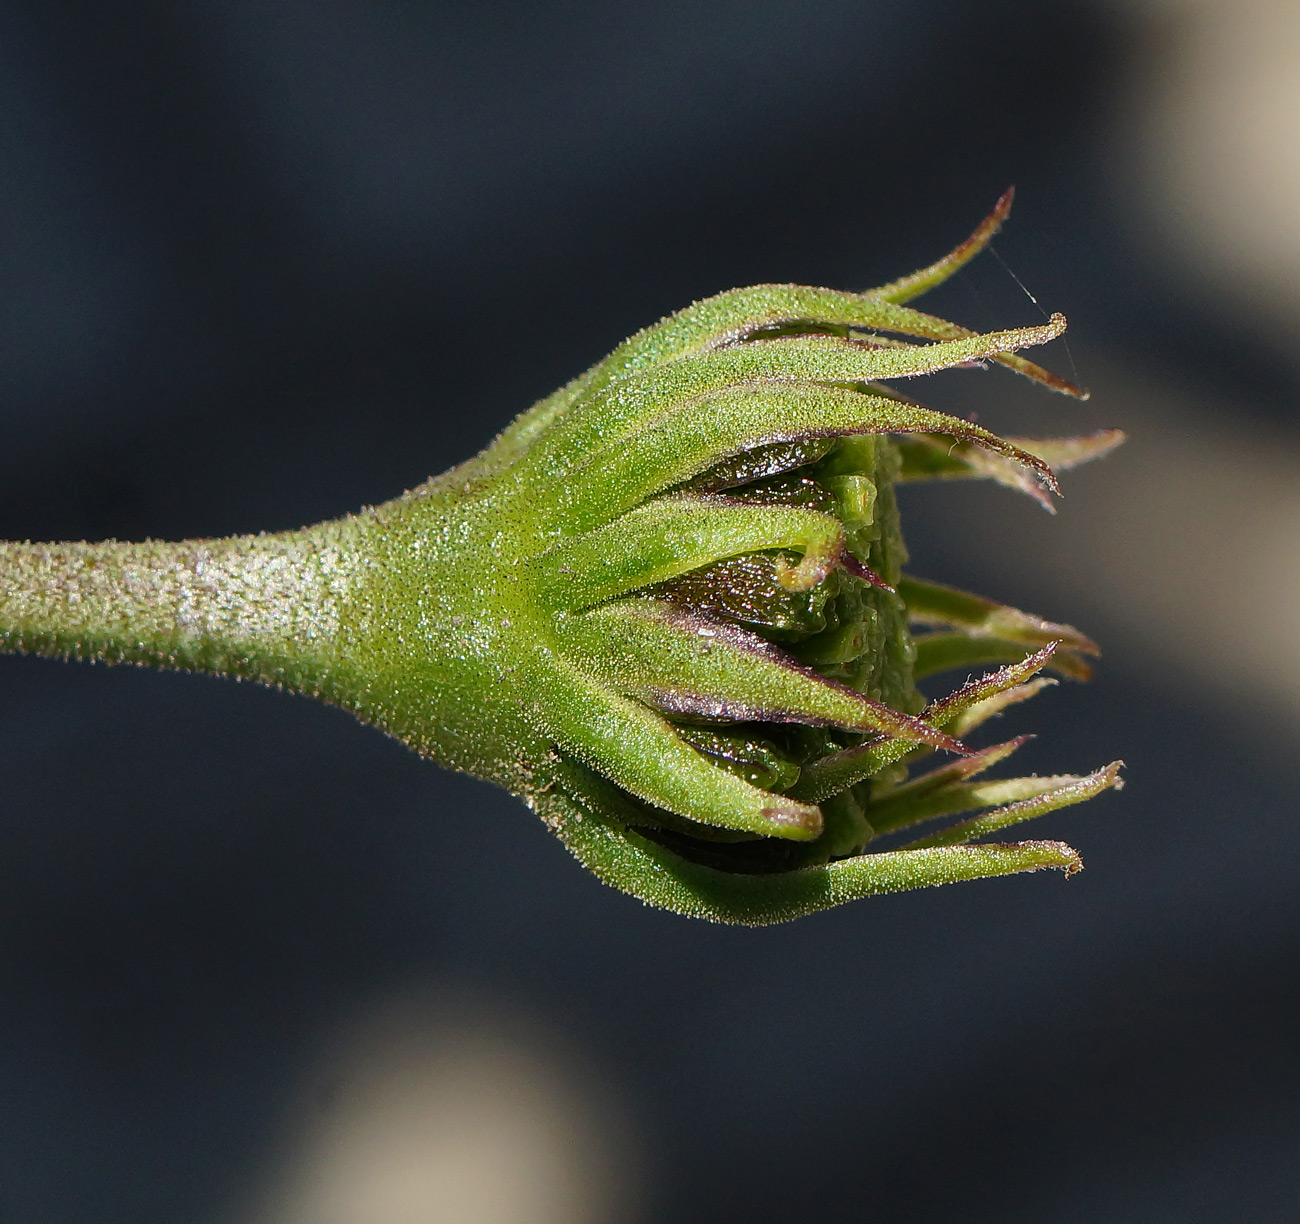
{"x": 667, "y": 607}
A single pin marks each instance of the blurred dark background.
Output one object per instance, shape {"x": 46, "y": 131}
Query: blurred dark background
{"x": 263, "y": 263}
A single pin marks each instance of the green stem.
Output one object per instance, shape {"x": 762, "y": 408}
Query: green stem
{"x": 266, "y": 607}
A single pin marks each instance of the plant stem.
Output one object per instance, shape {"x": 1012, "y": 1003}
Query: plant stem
{"x": 265, "y": 607}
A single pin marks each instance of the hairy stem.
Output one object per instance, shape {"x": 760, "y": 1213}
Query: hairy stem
{"x": 266, "y": 607}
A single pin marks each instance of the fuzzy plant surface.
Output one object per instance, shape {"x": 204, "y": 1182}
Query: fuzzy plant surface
{"x": 666, "y": 607}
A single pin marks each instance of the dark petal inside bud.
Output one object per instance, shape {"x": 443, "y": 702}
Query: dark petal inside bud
{"x": 759, "y": 464}
{"x": 789, "y": 489}
{"x": 748, "y": 590}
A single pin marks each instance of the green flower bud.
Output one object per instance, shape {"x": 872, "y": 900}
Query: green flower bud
{"x": 666, "y": 608}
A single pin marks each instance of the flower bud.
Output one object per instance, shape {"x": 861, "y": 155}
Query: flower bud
{"x": 667, "y": 607}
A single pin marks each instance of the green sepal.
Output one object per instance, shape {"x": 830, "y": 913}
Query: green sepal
{"x": 582, "y": 811}
{"x": 942, "y": 652}
{"x": 651, "y": 762}
{"x": 640, "y": 399}
{"x": 898, "y": 806}
{"x": 616, "y": 476}
{"x": 936, "y": 457}
{"x": 905, "y": 288}
{"x": 673, "y": 536}
{"x": 685, "y": 664}
{"x": 976, "y": 715}
{"x": 820, "y": 779}
{"x": 1001, "y": 630}
{"x": 1044, "y": 795}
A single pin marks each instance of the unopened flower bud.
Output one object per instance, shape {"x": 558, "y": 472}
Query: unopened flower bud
{"x": 667, "y": 607}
